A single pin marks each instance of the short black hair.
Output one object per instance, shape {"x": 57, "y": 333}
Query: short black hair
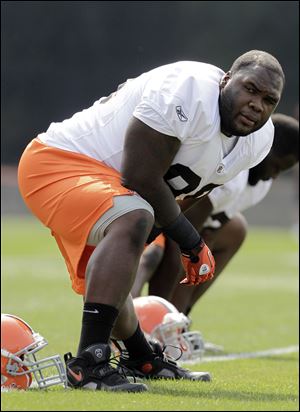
{"x": 286, "y": 136}
{"x": 258, "y": 57}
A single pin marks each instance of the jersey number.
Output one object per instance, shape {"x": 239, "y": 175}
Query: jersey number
{"x": 188, "y": 177}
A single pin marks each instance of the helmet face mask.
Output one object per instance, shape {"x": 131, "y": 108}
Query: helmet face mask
{"x": 196, "y": 345}
{"x": 19, "y": 363}
{"x": 161, "y": 321}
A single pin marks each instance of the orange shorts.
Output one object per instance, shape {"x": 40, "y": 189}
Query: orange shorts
{"x": 68, "y": 192}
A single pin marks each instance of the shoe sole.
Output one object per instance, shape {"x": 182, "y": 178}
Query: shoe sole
{"x": 201, "y": 377}
{"x": 129, "y": 387}
{"x": 204, "y": 377}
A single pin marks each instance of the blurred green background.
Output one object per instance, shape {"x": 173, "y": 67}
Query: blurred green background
{"x": 60, "y": 56}
{"x": 251, "y": 307}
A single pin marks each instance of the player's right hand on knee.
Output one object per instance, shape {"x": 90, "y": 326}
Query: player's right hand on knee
{"x": 199, "y": 265}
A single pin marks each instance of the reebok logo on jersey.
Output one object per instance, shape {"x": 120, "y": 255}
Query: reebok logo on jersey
{"x": 181, "y": 116}
{"x": 91, "y": 311}
{"x": 220, "y": 168}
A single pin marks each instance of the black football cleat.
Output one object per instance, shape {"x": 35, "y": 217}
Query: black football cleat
{"x": 160, "y": 366}
{"x": 92, "y": 370}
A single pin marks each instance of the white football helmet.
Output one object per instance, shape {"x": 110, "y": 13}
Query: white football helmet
{"x": 161, "y": 321}
{"x": 19, "y": 345}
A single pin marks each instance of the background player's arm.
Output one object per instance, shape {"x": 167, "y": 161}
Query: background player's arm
{"x": 196, "y": 210}
{"x": 147, "y": 157}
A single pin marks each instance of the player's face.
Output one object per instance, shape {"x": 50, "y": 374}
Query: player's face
{"x": 271, "y": 167}
{"x": 247, "y": 100}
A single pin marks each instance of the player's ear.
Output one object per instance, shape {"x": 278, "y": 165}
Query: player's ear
{"x": 225, "y": 79}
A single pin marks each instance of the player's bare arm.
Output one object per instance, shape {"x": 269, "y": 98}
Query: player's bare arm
{"x": 158, "y": 151}
{"x": 147, "y": 157}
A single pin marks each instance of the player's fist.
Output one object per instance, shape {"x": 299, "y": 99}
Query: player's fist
{"x": 199, "y": 266}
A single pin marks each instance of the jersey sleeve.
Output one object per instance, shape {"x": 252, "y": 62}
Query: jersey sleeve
{"x": 170, "y": 107}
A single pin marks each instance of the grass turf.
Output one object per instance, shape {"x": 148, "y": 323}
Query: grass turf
{"x": 252, "y": 307}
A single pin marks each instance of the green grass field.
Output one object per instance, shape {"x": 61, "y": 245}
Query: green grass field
{"x": 252, "y": 307}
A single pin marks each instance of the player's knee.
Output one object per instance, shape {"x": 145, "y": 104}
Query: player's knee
{"x": 135, "y": 226}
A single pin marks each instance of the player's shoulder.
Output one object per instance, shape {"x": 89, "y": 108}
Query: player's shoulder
{"x": 185, "y": 95}
{"x": 186, "y": 65}
{"x": 183, "y": 77}
{"x": 192, "y": 85}
{"x": 191, "y": 67}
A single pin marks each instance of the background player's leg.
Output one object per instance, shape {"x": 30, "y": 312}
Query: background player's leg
{"x": 149, "y": 262}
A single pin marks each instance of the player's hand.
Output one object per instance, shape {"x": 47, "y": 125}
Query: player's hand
{"x": 199, "y": 265}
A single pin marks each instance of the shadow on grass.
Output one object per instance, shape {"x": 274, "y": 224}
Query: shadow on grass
{"x": 223, "y": 394}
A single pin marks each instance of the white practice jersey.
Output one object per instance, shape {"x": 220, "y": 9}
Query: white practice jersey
{"x": 235, "y": 196}
{"x": 180, "y": 100}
